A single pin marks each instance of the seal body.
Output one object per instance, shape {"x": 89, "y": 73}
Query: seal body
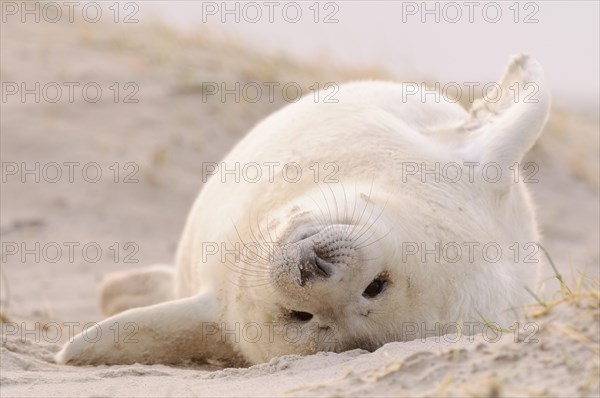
{"x": 381, "y": 216}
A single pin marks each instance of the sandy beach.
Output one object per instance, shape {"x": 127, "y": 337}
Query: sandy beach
{"x": 147, "y": 135}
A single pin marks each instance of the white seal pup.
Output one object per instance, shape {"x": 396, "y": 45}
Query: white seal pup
{"x": 382, "y": 216}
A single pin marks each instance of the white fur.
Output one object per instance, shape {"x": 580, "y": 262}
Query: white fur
{"x": 370, "y": 134}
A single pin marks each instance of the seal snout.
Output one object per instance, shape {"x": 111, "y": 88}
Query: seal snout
{"x": 317, "y": 256}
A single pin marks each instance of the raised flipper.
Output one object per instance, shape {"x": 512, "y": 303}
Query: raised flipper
{"x": 506, "y": 125}
{"x": 170, "y": 332}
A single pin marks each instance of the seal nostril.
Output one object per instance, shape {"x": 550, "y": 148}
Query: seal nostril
{"x": 301, "y": 316}
{"x": 322, "y": 266}
{"x": 314, "y": 266}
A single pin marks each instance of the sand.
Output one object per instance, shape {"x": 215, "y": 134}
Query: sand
{"x": 162, "y": 139}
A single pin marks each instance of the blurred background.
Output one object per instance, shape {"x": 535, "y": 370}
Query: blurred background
{"x": 120, "y": 89}
{"x": 445, "y": 41}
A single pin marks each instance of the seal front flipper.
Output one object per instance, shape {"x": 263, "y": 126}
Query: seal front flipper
{"x": 169, "y": 332}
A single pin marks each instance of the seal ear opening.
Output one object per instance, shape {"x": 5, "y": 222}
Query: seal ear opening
{"x": 506, "y": 123}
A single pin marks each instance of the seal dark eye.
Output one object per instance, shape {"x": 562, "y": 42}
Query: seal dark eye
{"x": 374, "y": 288}
{"x": 301, "y": 316}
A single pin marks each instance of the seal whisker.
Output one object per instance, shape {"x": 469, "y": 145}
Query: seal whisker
{"x": 251, "y": 269}
{"x": 245, "y": 272}
{"x": 252, "y": 286}
{"x": 258, "y": 265}
{"x": 371, "y": 258}
{"x": 358, "y": 232}
{"x": 242, "y": 271}
{"x": 374, "y": 221}
{"x": 364, "y": 209}
{"x": 328, "y": 219}
{"x": 259, "y": 242}
{"x": 254, "y": 267}
{"x": 372, "y": 224}
{"x": 242, "y": 240}
{"x": 355, "y": 202}
{"x": 347, "y": 227}
{"x": 271, "y": 251}
{"x": 337, "y": 211}
{"x": 323, "y": 218}
{"x": 365, "y": 245}
{"x": 276, "y": 240}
